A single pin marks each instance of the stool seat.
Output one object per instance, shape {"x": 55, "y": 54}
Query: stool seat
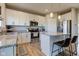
{"x": 74, "y": 39}
{"x": 62, "y": 44}
{"x": 59, "y": 43}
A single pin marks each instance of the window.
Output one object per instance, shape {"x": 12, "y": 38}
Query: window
{"x": 0, "y": 10}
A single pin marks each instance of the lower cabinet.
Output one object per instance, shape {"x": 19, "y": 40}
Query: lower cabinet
{"x": 8, "y": 51}
{"x": 24, "y": 38}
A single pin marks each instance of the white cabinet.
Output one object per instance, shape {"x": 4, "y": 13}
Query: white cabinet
{"x": 16, "y": 17}
{"x": 33, "y": 17}
{"x": 24, "y": 38}
{"x": 66, "y": 16}
{"x": 8, "y": 51}
{"x": 3, "y": 15}
{"x": 12, "y": 17}
{"x": 41, "y": 20}
{"x": 2, "y": 10}
{"x": 36, "y": 18}
{"x": 27, "y": 20}
{"x": 21, "y": 18}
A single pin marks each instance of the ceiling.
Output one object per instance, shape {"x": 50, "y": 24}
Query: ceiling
{"x": 42, "y": 8}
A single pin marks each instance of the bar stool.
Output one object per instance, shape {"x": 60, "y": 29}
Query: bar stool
{"x": 62, "y": 44}
{"x": 74, "y": 39}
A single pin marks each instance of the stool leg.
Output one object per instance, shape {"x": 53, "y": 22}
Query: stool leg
{"x": 74, "y": 52}
{"x": 52, "y": 49}
{"x": 63, "y": 51}
{"x": 70, "y": 50}
{"x": 58, "y": 51}
{"x": 13, "y": 50}
{"x": 75, "y": 49}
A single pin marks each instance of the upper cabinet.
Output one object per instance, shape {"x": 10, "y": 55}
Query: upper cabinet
{"x": 66, "y": 16}
{"x": 33, "y": 17}
{"x": 42, "y": 21}
{"x": 11, "y": 17}
{"x": 15, "y": 17}
{"x": 2, "y": 10}
{"x": 21, "y": 18}
{"x": 2, "y": 14}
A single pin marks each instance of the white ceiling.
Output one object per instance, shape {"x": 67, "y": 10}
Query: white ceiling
{"x": 42, "y": 8}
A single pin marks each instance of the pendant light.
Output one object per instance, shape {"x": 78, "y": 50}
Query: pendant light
{"x": 51, "y": 14}
{"x": 59, "y": 17}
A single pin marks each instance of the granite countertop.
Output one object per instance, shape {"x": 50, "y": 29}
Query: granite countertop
{"x": 7, "y": 40}
{"x": 10, "y": 40}
{"x": 53, "y": 33}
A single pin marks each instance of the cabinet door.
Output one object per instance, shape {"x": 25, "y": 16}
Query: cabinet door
{"x": 15, "y": 17}
{"x": 8, "y": 51}
{"x": 36, "y": 18}
{"x": 30, "y": 17}
{"x": 27, "y": 20}
{"x": 41, "y": 21}
{"x": 9, "y": 18}
{"x": 26, "y": 37}
{"x": 12, "y": 17}
{"x": 22, "y": 18}
{"x": 16, "y": 20}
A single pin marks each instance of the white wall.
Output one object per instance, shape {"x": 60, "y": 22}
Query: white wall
{"x": 78, "y": 27}
{"x": 51, "y": 23}
{"x": 78, "y": 30}
{"x": 74, "y": 22}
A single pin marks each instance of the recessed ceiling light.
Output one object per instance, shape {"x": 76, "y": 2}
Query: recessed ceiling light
{"x": 51, "y": 14}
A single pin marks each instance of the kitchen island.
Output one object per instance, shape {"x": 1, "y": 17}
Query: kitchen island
{"x": 47, "y": 40}
{"x": 9, "y": 42}
{"x": 8, "y": 45}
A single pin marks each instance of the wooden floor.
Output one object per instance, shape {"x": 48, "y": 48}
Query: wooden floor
{"x": 29, "y": 49}
{"x": 32, "y": 49}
